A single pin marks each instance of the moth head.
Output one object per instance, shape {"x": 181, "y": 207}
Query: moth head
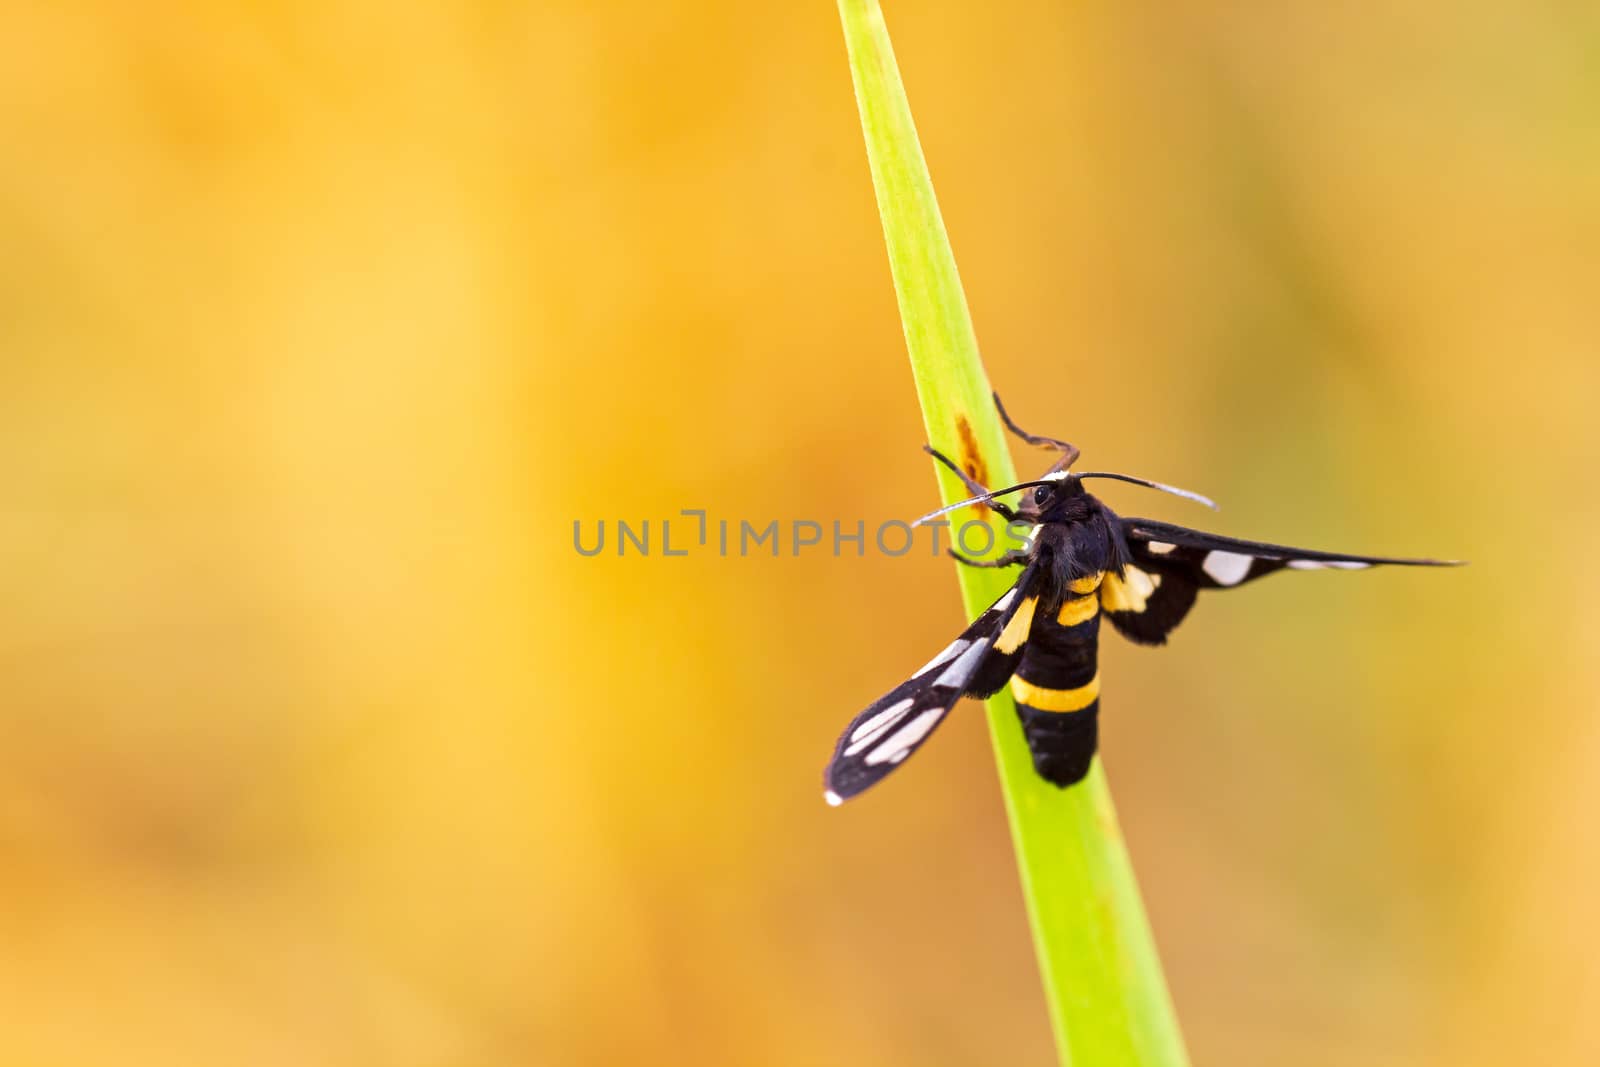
{"x": 1057, "y": 497}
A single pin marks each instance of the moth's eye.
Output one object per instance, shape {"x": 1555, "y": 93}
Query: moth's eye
{"x": 1041, "y": 495}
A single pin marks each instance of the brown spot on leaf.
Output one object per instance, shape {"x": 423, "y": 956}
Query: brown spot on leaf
{"x": 968, "y": 456}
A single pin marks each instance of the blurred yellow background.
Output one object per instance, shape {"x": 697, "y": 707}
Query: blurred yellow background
{"x": 323, "y": 322}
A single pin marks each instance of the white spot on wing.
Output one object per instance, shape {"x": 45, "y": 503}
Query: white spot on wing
{"x": 898, "y": 746}
{"x": 1005, "y": 602}
{"x": 867, "y": 732}
{"x": 1335, "y": 564}
{"x": 1160, "y": 548}
{"x": 1226, "y": 568}
{"x": 833, "y": 799}
{"x": 955, "y": 676}
{"x": 951, "y": 649}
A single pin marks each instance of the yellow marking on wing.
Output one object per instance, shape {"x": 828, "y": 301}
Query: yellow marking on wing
{"x": 1086, "y": 585}
{"x": 1130, "y": 592}
{"x": 1078, "y": 609}
{"x": 1016, "y": 630}
{"x": 1055, "y": 699}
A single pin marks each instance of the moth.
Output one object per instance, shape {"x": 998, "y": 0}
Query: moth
{"x": 1081, "y": 563}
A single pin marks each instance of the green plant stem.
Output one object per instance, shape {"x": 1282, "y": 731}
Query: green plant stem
{"x": 1107, "y": 997}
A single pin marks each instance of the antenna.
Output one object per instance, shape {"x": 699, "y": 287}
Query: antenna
{"x": 1174, "y": 490}
{"x": 979, "y": 499}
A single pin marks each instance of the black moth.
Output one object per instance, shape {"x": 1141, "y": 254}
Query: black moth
{"x": 1082, "y": 561}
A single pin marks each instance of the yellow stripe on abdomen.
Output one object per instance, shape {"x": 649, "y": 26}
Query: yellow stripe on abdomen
{"x": 1043, "y": 699}
{"x": 1078, "y": 609}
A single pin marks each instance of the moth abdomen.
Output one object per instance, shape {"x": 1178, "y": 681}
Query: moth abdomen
{"x": 1062, "y": 744}
{"x": 1057, "y": 685}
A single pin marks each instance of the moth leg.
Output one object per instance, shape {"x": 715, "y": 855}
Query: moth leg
{"x": 1010, "y": 559}
{"x": 974, "y": 487}
{"x": 1069, "y": 453}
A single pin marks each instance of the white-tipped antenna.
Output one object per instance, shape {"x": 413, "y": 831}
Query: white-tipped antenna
{"x": 979, "y": 499}
{"x": 1174, "y": 490}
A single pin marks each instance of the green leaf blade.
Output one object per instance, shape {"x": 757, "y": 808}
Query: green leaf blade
{"x": 1107, "y": 996}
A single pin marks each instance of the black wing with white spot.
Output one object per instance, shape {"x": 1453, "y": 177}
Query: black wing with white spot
{"x": 1171, "y": 564}
{"x": 887, "y": 733}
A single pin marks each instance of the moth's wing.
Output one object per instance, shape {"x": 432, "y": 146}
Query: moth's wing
{"x": 1170, "y": 564}
{"x": 1218, "y": 562}
{"x": 978, "y": 662}
{"x": 1148, "y": 599}
{"x": 1012, "y": 631}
